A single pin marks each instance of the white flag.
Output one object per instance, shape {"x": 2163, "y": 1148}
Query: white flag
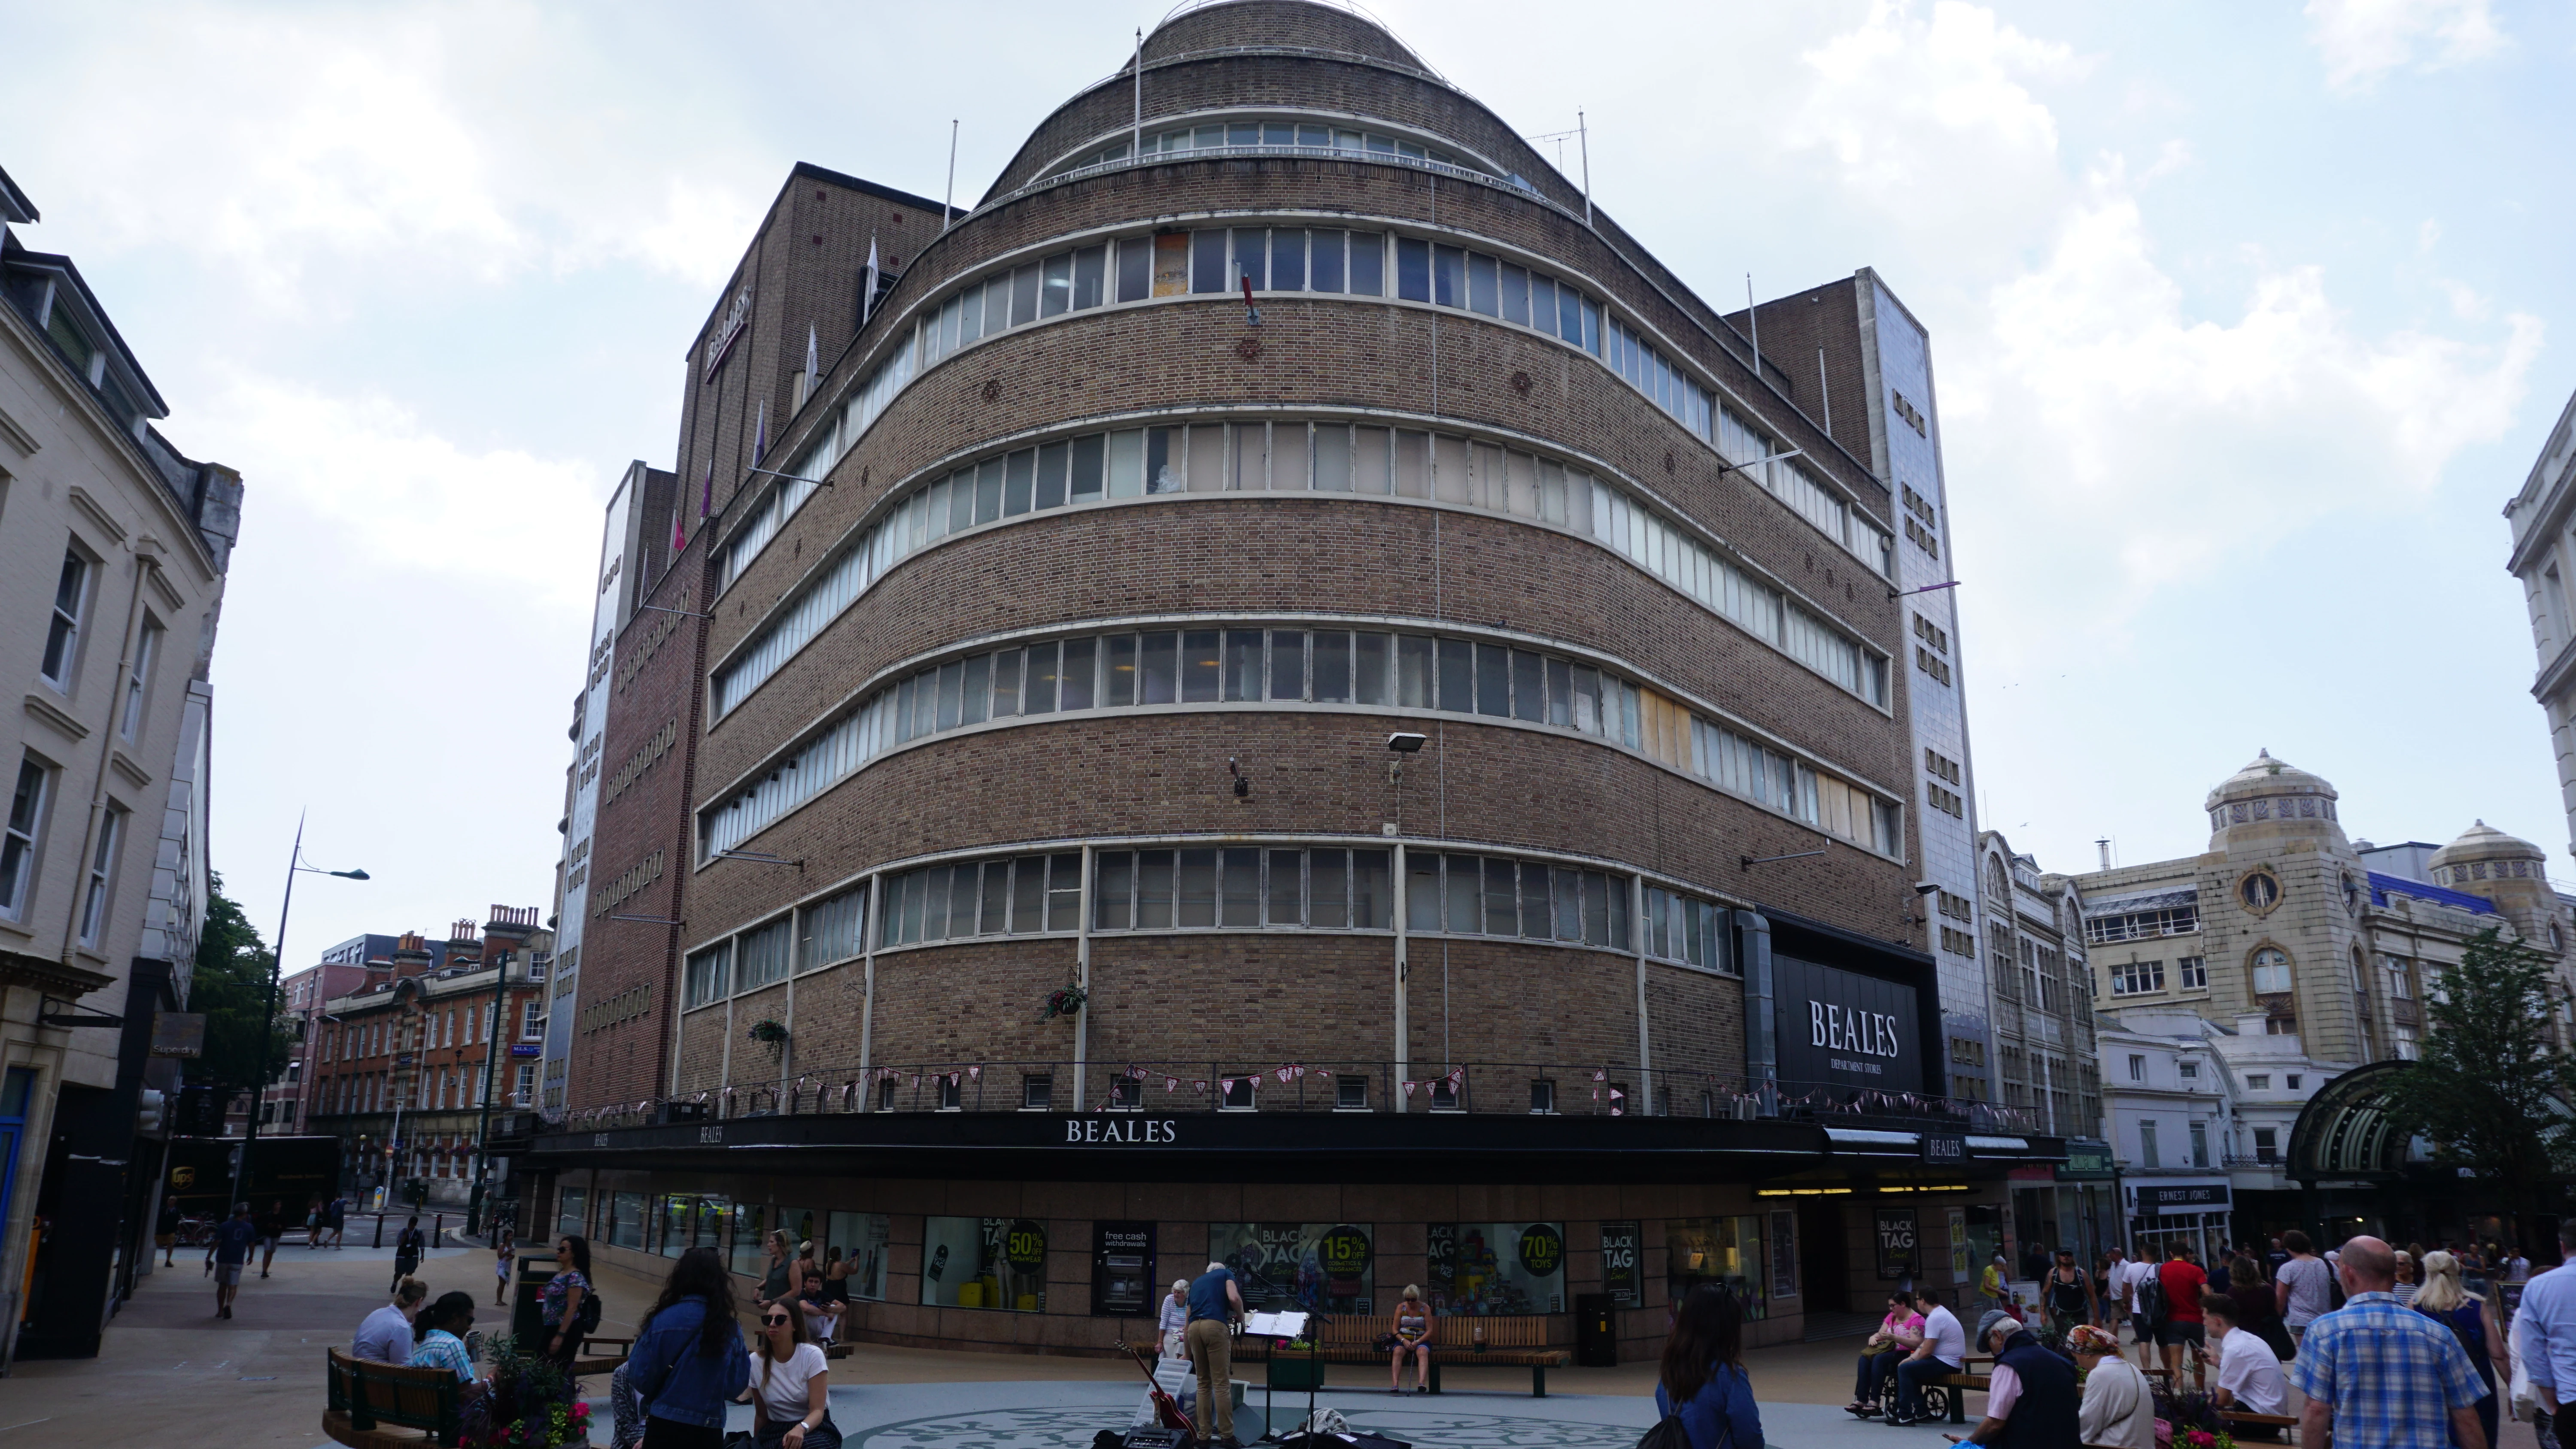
{"x": 813, "y": 361}
{"x": 868, "y": 293}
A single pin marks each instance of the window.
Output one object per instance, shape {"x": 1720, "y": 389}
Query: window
{"x": 2131, "y": 978}
{"x": 1235, "y": 1094}
{"x": 2400, "y": 985}
{"x": 1350, "y": 1093}
{"x": 2194, "y": 972}
{"x": 760, "y": 956}
{"x": 1542, "y": 1098}
{"x": 2142, "y": 925}
{"x": 1126, "y": 1094}
{"x": 63, "y": 631}
{"x": 533, "y": 1025}
{"x": 2137, "y": 1068}
{"x": 138, "y": 681}
{"x": 2190, "y": 1071}
{"x": 2258, "y": 1082}
{"x": 2267, "y": 1144}
{"x": 2294, "y": 1081}
{"x": 1298, "y": 455}
{"x": 2147, "y": 1141}
{"x": 18, "y": 837}
{"x": 1677, "y": 928}
{"x": 2282, "y": 1026}
{"x": 1037, "y": 1091}
{"x": 708, "y": 974}
{"x": 2200, "y": 1144}
{"x": 2271, "y": 971}
{"x": 1470, "y": 895}
{"x": 2260, "y": 891}
{"x": 835, "y": 929}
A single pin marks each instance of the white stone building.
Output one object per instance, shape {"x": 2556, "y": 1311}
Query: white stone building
{"x": 2045, "y": 1063}
{"x": 2542, "y": 517}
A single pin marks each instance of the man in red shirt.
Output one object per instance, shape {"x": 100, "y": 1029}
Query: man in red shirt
{"x": 2182, "y": 1281}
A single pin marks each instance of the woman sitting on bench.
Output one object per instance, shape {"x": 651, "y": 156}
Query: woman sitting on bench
{"x": 1413, "y": 1336}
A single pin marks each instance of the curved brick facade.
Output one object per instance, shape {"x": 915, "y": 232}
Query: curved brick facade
{"x": 1642, "y": 865}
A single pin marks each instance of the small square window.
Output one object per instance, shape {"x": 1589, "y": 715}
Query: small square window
{"x": 1444, "y": 1096}
{"x": 2137, "y": 1068}
{"x": 2293, "y": 1080}
{"x": 885, "y": 1094}
{"x": 1238, "y": 1094}
{"x": 1037, "y": 1092}
{"x": 951, "y": 1094}
{"x": 2259, "y": 1082}
{"x": 1350, "y": 1094}
{"x": 1126, "y": 1094}
{"x": 1542, "y": 1098}
{"x": 2191, "y": 1071}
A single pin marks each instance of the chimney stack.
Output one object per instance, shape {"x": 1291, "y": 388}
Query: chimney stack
{"x": 2104, "y": 845}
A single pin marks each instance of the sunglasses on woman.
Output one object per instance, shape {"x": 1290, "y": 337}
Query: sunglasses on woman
{"x": 778, "y": 1320}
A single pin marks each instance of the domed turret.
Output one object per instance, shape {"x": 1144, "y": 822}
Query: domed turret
{"x": 2272, "y": 793}
{"x": 2484, "y": 853}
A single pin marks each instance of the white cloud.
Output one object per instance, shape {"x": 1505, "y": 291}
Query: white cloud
{"x": 2362, "y": 40}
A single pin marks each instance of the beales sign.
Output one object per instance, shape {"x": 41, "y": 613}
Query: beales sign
{"x": 1844, "y": 1029}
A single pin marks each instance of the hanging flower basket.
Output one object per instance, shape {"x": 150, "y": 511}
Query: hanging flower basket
{"x": 769, "y": 1033}
{"x": 1064, "y": 1001}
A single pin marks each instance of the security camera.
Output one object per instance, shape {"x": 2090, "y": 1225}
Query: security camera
{"x": 1926, "y": 887}
{"x": 1406, "y": 744}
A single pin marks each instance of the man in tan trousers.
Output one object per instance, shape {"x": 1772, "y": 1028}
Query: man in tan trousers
{"x": 1215, "y": 1304}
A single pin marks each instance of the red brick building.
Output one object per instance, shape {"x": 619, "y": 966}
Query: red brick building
{"x": 1289, "y": 696}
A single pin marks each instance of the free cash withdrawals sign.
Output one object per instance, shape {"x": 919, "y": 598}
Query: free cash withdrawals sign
{"x": 1842, "y": 1029}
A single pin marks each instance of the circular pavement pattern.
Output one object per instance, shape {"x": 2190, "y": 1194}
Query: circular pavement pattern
{"x": 1074, "y": 1428}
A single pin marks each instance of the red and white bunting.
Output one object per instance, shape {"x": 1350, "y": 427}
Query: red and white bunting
{"x": 1600, "y": 1076}
{"x": 1284, "y": 1074}
{"x": 1199, "y": 1087}
{"x": 1171, "y": 1084}
{"x": 1137, "y": 1073}
{"x": 976, "y": 1072}
{"x": 1457, "y": 1076}
{"x": 1409, "y": 1086}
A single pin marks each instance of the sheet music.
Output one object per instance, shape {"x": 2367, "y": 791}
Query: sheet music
{"x": 1276, "y": 1325}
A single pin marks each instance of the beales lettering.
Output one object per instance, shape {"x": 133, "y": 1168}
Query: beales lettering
{"x": 1870, "y": 1033}
{"x": 1123, "y": 1131}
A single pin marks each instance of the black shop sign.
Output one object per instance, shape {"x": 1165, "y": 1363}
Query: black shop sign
{"x": 1900, "y": 1250}
{"x": 2205, "y": 1198}
{"x": 1621, "y": 1277}
{"x": 1840, "y": 1029}
{"x": 1123, "y": 1283}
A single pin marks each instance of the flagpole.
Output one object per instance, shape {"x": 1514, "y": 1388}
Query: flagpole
{"x": 1136, "y": 142}
{"x": 947, "y": 203}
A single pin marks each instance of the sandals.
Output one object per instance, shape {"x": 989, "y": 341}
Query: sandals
{"x": 1859, "y": 1410}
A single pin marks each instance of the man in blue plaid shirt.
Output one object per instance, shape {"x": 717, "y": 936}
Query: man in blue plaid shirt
{"x": 2378, "y": 1374}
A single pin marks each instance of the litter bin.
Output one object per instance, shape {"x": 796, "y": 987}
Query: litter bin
{"x": 1596, "y": 1330}
{"x": 527, "y": 1307}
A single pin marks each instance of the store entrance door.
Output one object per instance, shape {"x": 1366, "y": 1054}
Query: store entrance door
{"x": 1824, "y": 1255}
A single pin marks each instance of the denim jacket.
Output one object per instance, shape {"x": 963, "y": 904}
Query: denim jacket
{"x": 675, "y": 1380}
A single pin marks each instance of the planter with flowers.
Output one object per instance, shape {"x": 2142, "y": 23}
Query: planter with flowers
{"x": 528, "y": 1404}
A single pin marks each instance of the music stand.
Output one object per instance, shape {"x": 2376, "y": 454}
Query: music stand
{"x": 1288, "y": 1325}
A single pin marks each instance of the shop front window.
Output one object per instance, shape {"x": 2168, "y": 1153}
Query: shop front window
{"x": 572, "y": 1212}
{"x": 1724, "y": 1251}
{"x": 859, "y": 1241}
{"x": 1323, "y": 1267}
{"x": 1494, "y": 1269}
{"x": 983, "y": 1263}
{"x": 625, "y": 1226}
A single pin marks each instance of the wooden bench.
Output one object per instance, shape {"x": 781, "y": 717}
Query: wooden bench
{"x": 365, "y": 1397}
{"x": 602, "y": 1362}
{"x": 2288, "y": 1426}
{"x": 1505, "y": 1342}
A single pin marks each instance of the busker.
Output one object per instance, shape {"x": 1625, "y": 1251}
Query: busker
{"x": 2030, "y": 1395}
{"x": 1215, "y": 1305}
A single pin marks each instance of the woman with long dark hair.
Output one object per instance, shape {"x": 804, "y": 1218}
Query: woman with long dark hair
{"x": 789, "y": 1396}
{"x": 560, "y": 1305}
{"x": 689, "y": 1361}
{"x": 1703, "y": 1379}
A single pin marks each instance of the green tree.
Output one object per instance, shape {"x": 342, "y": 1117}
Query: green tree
{"x": 2487, "y": 1089}
{"x": 231, "y": 988}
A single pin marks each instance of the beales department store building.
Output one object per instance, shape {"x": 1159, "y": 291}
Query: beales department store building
{"x": 1277, "y": 691}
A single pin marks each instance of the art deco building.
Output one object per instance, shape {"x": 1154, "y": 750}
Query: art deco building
{"x": 1277, "y": 690}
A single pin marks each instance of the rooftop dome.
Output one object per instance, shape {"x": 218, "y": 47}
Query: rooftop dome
{"x": 2265, "y": 777}
{"x": 1207, "y": 25}
{"x": 2485, "y": 853}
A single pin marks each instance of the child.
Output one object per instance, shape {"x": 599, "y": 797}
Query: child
{"x": 505, "y": 1251}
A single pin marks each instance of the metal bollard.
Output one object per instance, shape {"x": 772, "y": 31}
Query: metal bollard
{"x": 380, "y": 1230}
{"x": 437, "y": 1229}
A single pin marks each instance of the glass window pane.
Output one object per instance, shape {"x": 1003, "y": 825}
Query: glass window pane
{"x": 1328, "y": 260}
{"x": 1596, "y": 908}
{"x": 1542, "y": 303}
{"x": 1087, "y": 452}
{"x": 1450, "y": 482}
{"x": 1333, "y": 667}
{"x": 1206, "y": 463}
{"x": 1412, "y": 269}
{"x": 1587, "y": 699}
{"x": 1493, "y": 680}
{"x": 1135, "y": 268}
{"x": 1287, "y": 664}
{"x": 970, "y": 316}
{"x": 1110, "y": 904}
{"x": 1567, "y": 887}
{"x": 1064, "y": 892}
{"x": 1328, "y": 888}
{"x": 1332, "y": 458}
{"x": 1466, "y": 909}
{"x": 1569, "y": 315}
{"x": 1285, "y": 908}
{"x": 1242, "y": 133}
{"x": 988, "y": 491}
{"x": 1251, "y": 469}
{"x": 1421, "y": 891}
{"x": 1369, "y": 661}
{"x": 1372, "y": 904}
{"x": 1121, "y": 671}
{"x": 1050, "y": 485}
{"x": 1207, "y": 261}
{"x": 936, "y": 501}
{"x": 1160, "y": 669}
{"x": 1457, "y": 676}
{"x": 997, "y": 898}
{"x": 1028, "y": 894}
{"x": 1251, "y": 257}
{"x": 1529, "y": 691}
{"x": 1502, "y": 899}
{"x": 934, "y": 907}
{"x": 1242, "y": 664}
{"x": 1239, "y": 880}
{"x": 952, "y": 685}
{"x": 1413, "y": 671}
{"x": 1515, "y": 294}
{"x": 1006, "y": 683}
{"x": 1534, "y": 899}
{"x": 1024, "y": 295}
{"x": 961, "y": 503}
{"x": 1200, "y": 666}
{"x": 1197, "y": 888}
{"x": 1126, "y": 468}
{"x": 1481, "y": 292}
{"x": 1088, "y": 265}
{"x": 1160, "y": 475}
{"x": 1368, "y": 264}
{"x": 1017, "y": 480}
{"x": 1448, "y": 276}
{"x": 1056, "y": 284}
{"x": 1591, "y": 314}
{"x": 978, "y": 689}
{"x": 1075, "y": 679}
{"x": 1153, "y": 890}
{"x": 1369, "y": 461}
{"x": 1412, "y": 464}
{"x": 1288, "y": 260}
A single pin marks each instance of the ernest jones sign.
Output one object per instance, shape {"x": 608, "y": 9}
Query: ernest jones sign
{"x": 1842, "y": 1028}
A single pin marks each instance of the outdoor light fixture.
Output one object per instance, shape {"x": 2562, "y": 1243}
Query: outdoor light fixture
{"x": 1242, "y": 786}
{"x": 1926, "y": 887}
{"x": 1406, "y": 744}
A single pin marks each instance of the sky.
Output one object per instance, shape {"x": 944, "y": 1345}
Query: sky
{"x": 2246, "y": 320}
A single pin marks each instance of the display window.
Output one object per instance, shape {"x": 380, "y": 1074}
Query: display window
{"x": 984, "y": 1263}
{"x": 572, "y": 1212}
{"x": 751, "y": 1225}
{"x": 1323, "y": 1267}
{"x": 1494, "y": 1269}
{"x": 1725, "y": 1251}
{"x": 859, "y": 1240}
{"x": 625, "y": 1225}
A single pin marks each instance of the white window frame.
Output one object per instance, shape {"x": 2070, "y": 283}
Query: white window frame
{"x": 98, "y": 886}
{"x": 533, "y": 1021}
{"x": 138, "y": 680}
{"x": 65, "y": 624}
{"x": 22, "y": 834}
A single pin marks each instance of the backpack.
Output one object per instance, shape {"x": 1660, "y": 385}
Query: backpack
{"x": 2151, "y": 1298}
{"x": 586, "y": 1319}
{"x": 1668, "y": 1434}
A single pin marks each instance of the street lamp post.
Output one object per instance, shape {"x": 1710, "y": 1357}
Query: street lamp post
{"x": 268, "y": 1020}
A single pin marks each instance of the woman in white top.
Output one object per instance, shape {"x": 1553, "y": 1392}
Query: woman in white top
{"x": 1176, "y": 1318}
{"x": 2119, "y": 1409}
{"x": 789, "y": 1382}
